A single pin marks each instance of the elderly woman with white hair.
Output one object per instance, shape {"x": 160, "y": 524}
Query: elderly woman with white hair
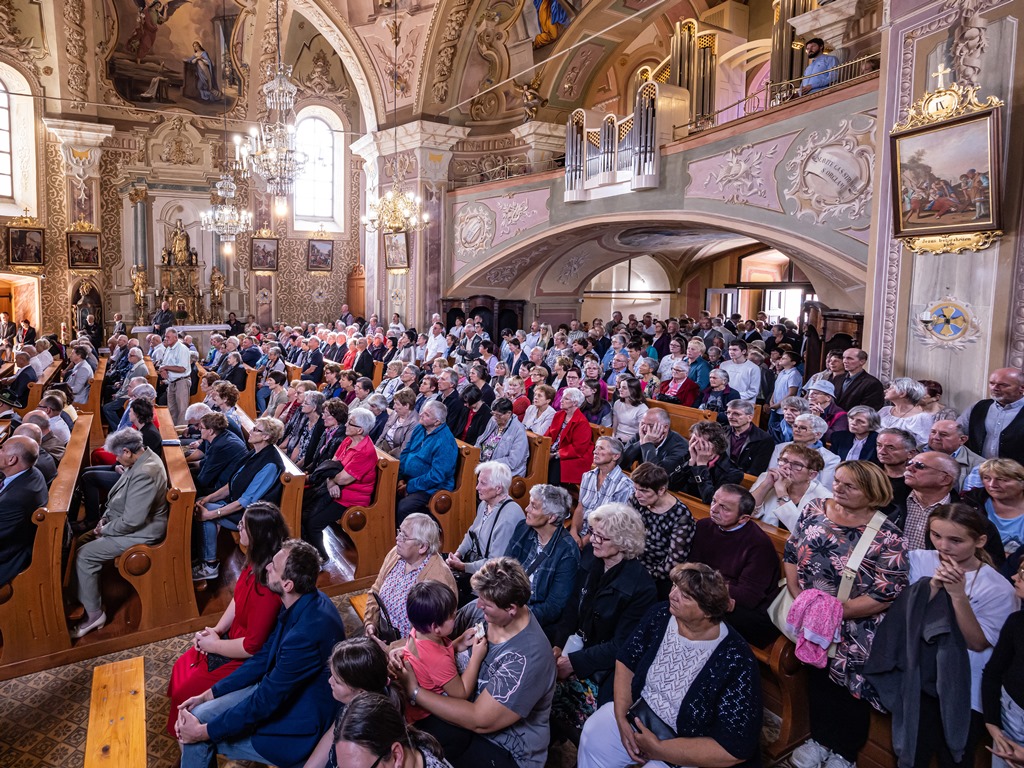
{"x": 904, "y": 410}
{"x": 415, "y": 558}
{"x": 391, "y": 381}
{"x": 807, "y": 431}
{"x": 612, "y": 593}
{"x": 572, "y": 445}
{"x": 351, "y": 485}
{"x": 547, "y": 552}
{"x": 497, "y": 516}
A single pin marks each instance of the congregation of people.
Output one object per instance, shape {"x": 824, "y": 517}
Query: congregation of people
{"x": 602, "y": 609}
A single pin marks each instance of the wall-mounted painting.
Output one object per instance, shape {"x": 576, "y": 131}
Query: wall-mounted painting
{"x": 396, "y": 250}
{"x": 264, "y": 254}
{"x": 83, "y": 250}
{"x": 177, "y": 52}
{"x": 320, "y": 256}
{"x": 946, "y": 177}
{"x": 26, "y": 246}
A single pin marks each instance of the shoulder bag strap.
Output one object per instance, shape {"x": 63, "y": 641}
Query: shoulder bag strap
{"x": 497, "y": 515}
{"x": 857, "y": 557}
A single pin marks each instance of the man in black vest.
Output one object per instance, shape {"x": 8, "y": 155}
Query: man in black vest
{"x": 995, "y": 427}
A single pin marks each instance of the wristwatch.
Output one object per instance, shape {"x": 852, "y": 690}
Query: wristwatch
{"x": 784, "y": 499}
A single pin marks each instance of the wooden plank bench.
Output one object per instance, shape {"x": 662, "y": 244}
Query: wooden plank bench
{"x": 92, "y": 405}
{"x": 32, "y": 606}
{"x": 294, "y": 372}
{"x": 117, "y": 716}
{"x": 683, "y": 417}
{"x": 372, "y": 528}
{"x": 161, "y": 573}
{"x": 454, "y": 510}
{"x": 536, "y": 468}
{"x": 151, "y": 375}
{"x": 378, "y": 373}
{"x": 36, "y": 388}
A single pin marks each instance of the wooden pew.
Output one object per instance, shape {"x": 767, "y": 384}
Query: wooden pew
{"x": 378, "y": 373}
{"x": 36, "y": 388}
{"x": 247, "y": 396}
{"x": 454, "y": 510}
{"x": 372, "y": 528}
{"x": 294, "y": 372}
{"x": 596, "y": 431}
{"x": 161, "y": 573}
{"x": 682, "y": 417}
{"x": 117, "y": 716}
{"x": 151, "y": 375}
{"x": 31, "y": 606}
{"x": 536, "y": 468}
{"x": 748, "y": 481}
{"x": 293, "y": 482}
{"x": 783, "y": 678}
{"x": 95, "y": 400}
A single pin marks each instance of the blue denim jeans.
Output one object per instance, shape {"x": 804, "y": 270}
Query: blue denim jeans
{"x": 204, "y": 753}
{"x": 208, "y": 531}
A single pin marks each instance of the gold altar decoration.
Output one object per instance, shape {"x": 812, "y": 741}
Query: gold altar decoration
{"x": 180, "y": 269}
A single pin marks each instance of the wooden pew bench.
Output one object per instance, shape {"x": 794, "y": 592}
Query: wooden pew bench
{"x": 151, "y": 375}
{"x": 454, "y": 510}
{"x": 378, "y": 373}
{"x": 117, "y": 716}
{"x": 32, "y": 606}
{"x": 247, "y": 396}
{"x": 294, "y": 372}
{"x": 95, "y": 402}
{"x": 161, "y": 573}
{"x": 36, "y": 388}
{"x": 372, "y": 528}
{"x": 536, "y": 468}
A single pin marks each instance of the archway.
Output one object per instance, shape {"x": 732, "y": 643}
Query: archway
{"x": 697, "y": 250}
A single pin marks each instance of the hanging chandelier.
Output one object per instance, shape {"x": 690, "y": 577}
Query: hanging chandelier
{"x": 270, "y": 150}
{"x": 398, "y": 210}
{"x": 225, "y": 218}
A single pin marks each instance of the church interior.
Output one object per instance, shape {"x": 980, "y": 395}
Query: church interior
{"x": 551, "y": 162}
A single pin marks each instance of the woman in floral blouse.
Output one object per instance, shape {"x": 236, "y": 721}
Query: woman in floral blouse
{"x": 668, "y": 524}
{"x": 826, "y": 534}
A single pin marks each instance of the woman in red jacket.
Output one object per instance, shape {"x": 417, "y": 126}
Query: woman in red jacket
{"x": 572, "y": 445}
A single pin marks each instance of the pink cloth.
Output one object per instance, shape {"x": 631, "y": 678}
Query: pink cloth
{"x": 815, "y": 617}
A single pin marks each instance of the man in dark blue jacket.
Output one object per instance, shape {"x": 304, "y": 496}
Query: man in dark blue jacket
{"x": 276, "y": 706}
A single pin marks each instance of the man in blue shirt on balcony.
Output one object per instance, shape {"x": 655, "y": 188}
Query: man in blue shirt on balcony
{"x": 821, "y": 71}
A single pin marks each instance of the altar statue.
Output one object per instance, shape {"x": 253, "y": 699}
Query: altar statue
{"x": 216, "y": 286}
{"x": 139, "y": 285}
{"x": 180, "y": 245}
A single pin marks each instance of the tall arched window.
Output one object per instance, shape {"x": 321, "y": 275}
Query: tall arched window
{"x": 6, "y": 166}
{"x": 315, "y": 191}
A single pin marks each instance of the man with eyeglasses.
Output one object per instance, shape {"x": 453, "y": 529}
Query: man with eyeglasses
{"x": 930, "y": 476}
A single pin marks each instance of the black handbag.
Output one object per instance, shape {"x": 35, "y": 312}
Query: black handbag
{"x": 215, "y": 660}
{"x": 385, "y": 627}
{"x": 642, "y": 711}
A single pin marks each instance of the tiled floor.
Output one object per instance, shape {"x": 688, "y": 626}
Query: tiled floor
{"x": 44, "y": 716}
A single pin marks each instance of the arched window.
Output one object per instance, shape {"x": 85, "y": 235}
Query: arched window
{"x": 6, "y": 166}
{"x": 317, "y": 191}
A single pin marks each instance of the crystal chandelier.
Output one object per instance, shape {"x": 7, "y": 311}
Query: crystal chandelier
{"x": 223, "y": 216}
{"x": 270, "y": 151}
{"x": 399, "y": 209}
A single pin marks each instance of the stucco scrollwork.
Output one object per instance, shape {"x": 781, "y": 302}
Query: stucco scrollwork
{"x": 742, "y": 174}
{"x": 571, "y": 269}
{"x": 513, "y": 214}
{"x": 474, "y": 231}
{"x": 831, "y": 173}
{"x": 11, "y": 39}
{"x": 443, "y": 66}
{"x": 506, "y": 273}
{"x": 76, "y": 49}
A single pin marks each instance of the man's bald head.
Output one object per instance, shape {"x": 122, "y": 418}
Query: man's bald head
{"x": 30, "y": 431}
{"x": 19, "y": 453}
{"x": 1006, "y": 385}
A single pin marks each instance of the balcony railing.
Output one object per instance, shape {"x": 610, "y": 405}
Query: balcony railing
{"x": 776, "y": 94}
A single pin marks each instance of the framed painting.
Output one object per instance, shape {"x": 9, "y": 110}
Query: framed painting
{"x": 396, "y": 250}
{"x": 26, "y": 246}
{"x": 264, "y": 254}
{"x": 83, "y": 250}
{"x": 946, "y": 176}
{"x": 320, "y": 255}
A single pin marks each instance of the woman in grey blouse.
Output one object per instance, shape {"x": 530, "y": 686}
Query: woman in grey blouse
{"x": 496, "y": 518}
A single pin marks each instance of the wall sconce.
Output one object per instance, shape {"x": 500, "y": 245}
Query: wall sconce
{"x": 927, "y": 319}
{"x": 797, "y": 45}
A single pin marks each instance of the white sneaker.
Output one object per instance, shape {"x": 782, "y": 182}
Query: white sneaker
{"x": 810, "y": 754}
{"x": 838, "y": 761}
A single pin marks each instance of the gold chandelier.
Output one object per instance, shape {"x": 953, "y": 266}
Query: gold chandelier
{"x": 398, "y": 210}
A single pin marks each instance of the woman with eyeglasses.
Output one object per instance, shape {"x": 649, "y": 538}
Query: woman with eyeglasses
{"x": 248, "y": 620}
{"x": 808, "y": 430}
{"x": 667, "y": 362}
{"x": 824, "y": 538}
{"x": 613, "y": 592}
{"x": 257, "y": 479}
{"x": 668, "y": 524}
{"x": 783, "y": 493}
{"x": 412, "y": 560}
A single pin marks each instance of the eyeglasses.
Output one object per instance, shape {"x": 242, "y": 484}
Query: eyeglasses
{"x": 377, "y": 761}
{"x": 922, "y": 465}
{"x": 598, "y": 538}
{"x": 258, "y": 430}
{"x": 401, "y": 535}
{"x": 793, "y": 464}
